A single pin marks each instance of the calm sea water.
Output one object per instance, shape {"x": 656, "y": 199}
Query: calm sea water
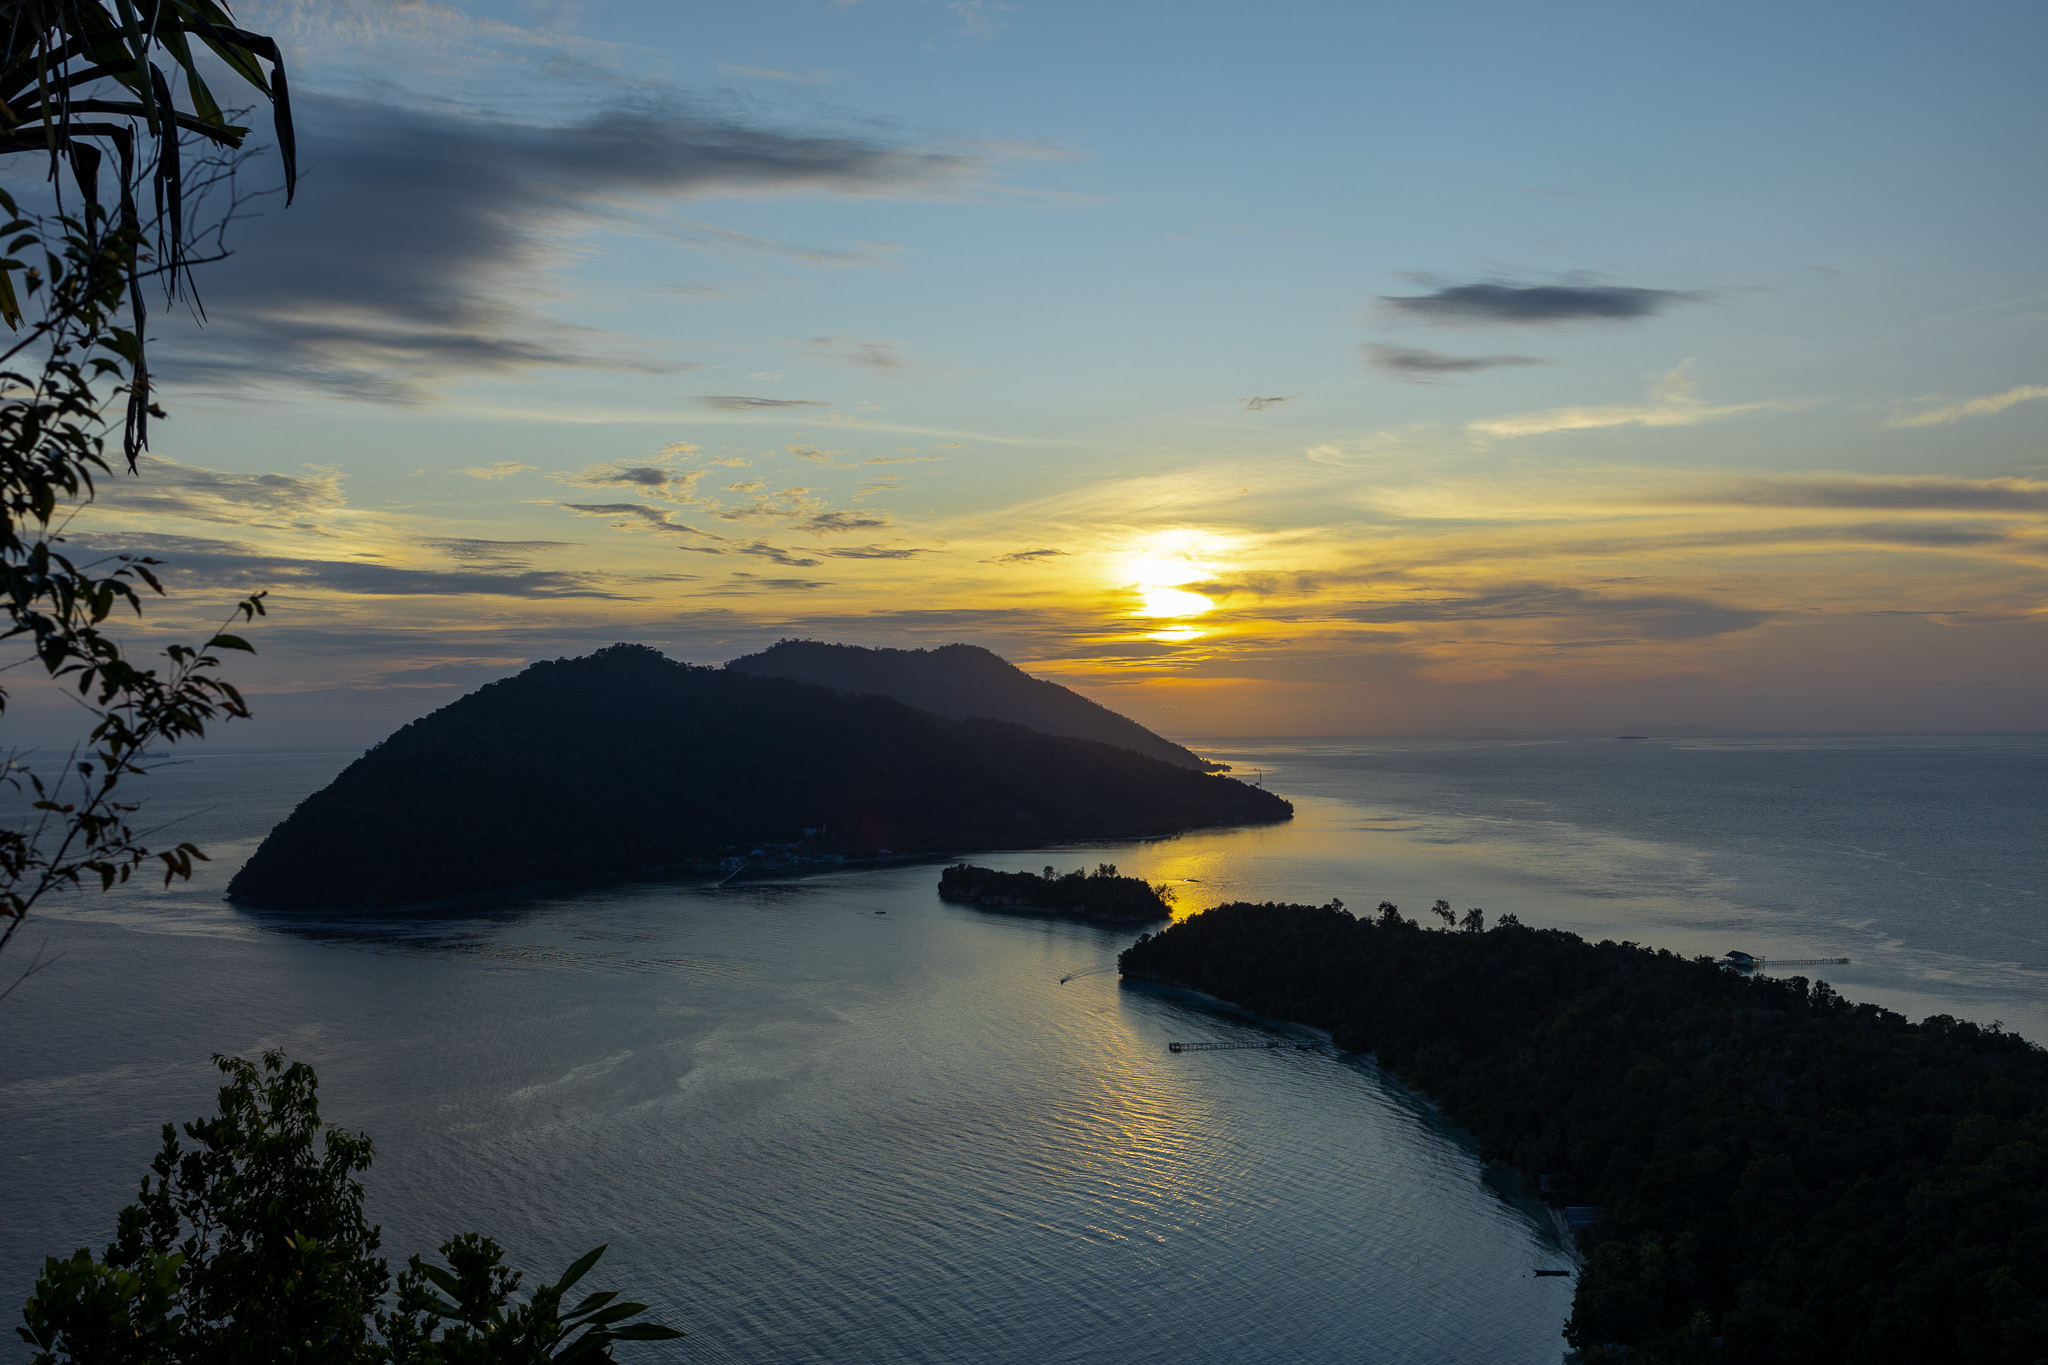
{"x": 815, "y": 1132}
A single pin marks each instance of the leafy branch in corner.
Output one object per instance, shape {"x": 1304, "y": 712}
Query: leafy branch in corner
{"x": 86, "y": 83}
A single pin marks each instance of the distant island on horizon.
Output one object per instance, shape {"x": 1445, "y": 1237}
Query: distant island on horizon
{"x": 626, "y": 763}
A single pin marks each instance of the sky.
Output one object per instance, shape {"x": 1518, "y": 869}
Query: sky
{"x": 1289, "y": 369}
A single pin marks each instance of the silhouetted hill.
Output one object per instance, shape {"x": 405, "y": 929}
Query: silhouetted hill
{"x": 963, "y": 681}
{"x": 624, "y": 761}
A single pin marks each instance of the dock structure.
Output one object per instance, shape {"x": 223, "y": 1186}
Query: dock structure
{"x": 1241, "y": 1047}
{"x": 1739, "y": 961}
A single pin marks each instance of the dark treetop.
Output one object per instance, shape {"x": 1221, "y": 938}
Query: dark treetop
{"x": 1102, "y": 896}
{"x": 625, "y": 761}
{"x": 962, "y": 681}
{"x": 1805, "y": 1179}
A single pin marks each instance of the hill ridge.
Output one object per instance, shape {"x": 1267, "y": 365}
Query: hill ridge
{"x": 963, "y": 681}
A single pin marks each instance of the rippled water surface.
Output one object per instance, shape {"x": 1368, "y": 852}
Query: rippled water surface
{"x": 815, "y": 1132}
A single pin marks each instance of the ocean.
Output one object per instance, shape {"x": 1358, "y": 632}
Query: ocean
{"x": 833, "y": 1119}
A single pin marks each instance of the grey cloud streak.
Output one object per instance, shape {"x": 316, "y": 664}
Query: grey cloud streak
{"x": 740, "y": 402}
{"x": 625, "y": 514}
{"x": 1654, "y": 616}
{"x": 1536, "y": 303}
{"x": 873, "y": 552}
{"x": 166, "y": 488}
{"x": 1932, "y": 493}
{"x": 1411, "y": 362}
{"x": 196, "y": 563}
{"x": 764, "y": 550}
{"x": 418, "y": 233}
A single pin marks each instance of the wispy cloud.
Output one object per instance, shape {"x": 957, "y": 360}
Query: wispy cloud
{"x": 763, "y": 550}
{"x": 977, "y": 18}
{"x": 1261, "y": 404}
{"x": 743, "y": 583}
{"x": 494, "y": 552}
{"x": 630, "y": 516}
{"x": 165, "y": 488}
{"x": 193, "y": 564}
{"x": 1536, "y": 303}
{"x": 659, "y": 477}
{"x": 503, "y": 469}
{"x": 823, "y": 458}
{"x": 739, "y": 402}
{"x": 1672, "y": 404}
{"x": 770, "y": 73}
{"x": 874, "y": 552}
{"x": 1027, "y": 557}
{"x": 1969, "y": 407}
{"x": 1927, "y": 493}
{"x": 868, "y": 353}
{"x": 834, "y": 523}
{"x": 1662, "y": 617}
{"x": 1415, "y": 364}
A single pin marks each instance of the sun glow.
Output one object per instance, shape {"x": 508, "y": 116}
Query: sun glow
{"x": 1171, "y": 602}
{"x": 1158, "y": 573}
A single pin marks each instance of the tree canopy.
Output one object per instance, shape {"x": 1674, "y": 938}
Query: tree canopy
{"x": 251, "y": 1248}
{"x": 1785, "y": 1176}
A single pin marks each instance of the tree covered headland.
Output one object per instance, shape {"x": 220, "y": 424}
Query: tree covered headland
{"x": 1784, "y": 1173}
{"x": 1103, "y": 895}
{"x": 625, "y": 760}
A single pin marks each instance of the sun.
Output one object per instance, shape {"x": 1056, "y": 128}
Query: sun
{"x": 1158, "y": 571}
{"x": 1171, "y": 602}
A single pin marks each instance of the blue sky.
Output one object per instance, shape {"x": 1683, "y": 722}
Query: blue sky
{"x": 1616, "y": 364}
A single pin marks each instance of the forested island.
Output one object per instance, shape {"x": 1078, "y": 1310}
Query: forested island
{"x": 626, "y": 762}
{"x": 1784, "y": 1176}
{"x": 1102, "y": 896}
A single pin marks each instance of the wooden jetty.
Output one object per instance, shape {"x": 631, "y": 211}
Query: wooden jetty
{"x": 1739, "y": 961}
{"x": 1241, "y": 1047}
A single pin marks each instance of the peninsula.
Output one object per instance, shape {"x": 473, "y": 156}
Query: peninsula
{"x": 1765, "y": 1171}
{"x": 626, "y": 762}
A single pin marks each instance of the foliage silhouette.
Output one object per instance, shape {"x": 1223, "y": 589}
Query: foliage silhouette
{"x": 251, "y": 1248}
{"x": 80, "y": 85}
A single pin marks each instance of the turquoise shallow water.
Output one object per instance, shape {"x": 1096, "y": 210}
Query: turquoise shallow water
{"x": 815, "y": 1132}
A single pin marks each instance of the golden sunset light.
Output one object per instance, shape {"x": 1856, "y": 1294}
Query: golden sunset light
{"x": 982, "y": 682}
